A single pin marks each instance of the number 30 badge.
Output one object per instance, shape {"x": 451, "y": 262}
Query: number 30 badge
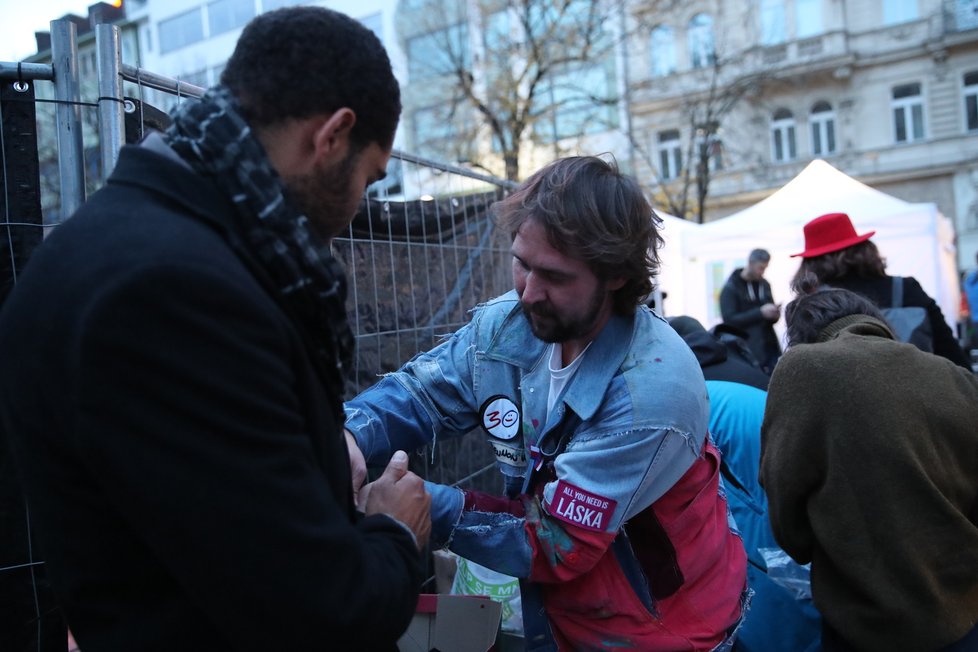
{"x": 500, "y": 417}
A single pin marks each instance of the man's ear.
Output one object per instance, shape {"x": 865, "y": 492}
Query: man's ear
{"x": 331, "y": 140}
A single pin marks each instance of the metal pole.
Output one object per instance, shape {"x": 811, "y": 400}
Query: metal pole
{"x": 71, "y": 154}
{"x": 111, "y": 111}
{"x": 19, "y": 70}
{"x": 148, "y": 79}
{"x": 452, "y": 169}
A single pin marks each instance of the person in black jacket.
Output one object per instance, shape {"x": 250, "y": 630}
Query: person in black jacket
{"x": 721, "y": 357}
{"x": 839, "y": 257}
{"x": 174, "y": 359}
{"x": 746, "y": 303}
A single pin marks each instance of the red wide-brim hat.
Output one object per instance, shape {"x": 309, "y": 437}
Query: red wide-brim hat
{"x": 828, "y": 233}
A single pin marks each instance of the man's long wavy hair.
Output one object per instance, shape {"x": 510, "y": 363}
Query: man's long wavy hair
{"x": 594, "y": 213}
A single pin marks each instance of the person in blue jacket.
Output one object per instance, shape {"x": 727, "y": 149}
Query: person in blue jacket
{"x": 778, "y": 620}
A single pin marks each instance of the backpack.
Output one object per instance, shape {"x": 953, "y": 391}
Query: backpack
{"x": 909, "y": 323}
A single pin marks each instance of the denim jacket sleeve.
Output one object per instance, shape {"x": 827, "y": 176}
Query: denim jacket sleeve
{"x": 428, "y": 397}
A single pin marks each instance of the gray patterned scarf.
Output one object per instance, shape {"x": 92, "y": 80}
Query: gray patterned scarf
{"x": 214, "y": 139}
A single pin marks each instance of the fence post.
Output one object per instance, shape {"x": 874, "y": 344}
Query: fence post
{"x": 71, "y": 154}
{"x": 111, "y": 110}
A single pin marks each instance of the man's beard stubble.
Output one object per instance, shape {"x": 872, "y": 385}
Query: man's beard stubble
{"x": 324, "y": 196}
{"x": 554, "y": 328}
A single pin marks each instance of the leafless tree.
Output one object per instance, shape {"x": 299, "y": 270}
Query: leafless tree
{"x": 508, "y": 73}
{"x": 706, "y": 100}
{"x": 704, "y": 149}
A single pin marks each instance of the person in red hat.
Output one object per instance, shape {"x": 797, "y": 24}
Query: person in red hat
{"x": 841, "y": 258}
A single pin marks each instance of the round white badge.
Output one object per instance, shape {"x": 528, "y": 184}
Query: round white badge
{"x": 501, "y": 418}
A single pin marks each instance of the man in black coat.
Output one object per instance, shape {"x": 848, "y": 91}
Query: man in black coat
{"x": 746, "y": 303}
{"x": 173, "y": 371}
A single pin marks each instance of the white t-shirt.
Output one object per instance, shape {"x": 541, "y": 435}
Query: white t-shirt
{"x": 560, "y": 376}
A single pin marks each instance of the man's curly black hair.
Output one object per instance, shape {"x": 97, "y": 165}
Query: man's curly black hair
{"x": 296, "y": 62}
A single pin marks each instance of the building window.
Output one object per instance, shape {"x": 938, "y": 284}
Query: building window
{"x": 822, "y": 121}
{"x": 971, "y": 101}
{"x": 710, "y": 148}
{"x": 225, "y": 15}
{"x": 663, "y": 51}
{"x": 899, "y": 11}
{"x": 438, "y": 53}
{"x": 808, "y": 18}
{"x": 908, "y": 113}
{"x": 701, "y": 52}
{"x": 772, "y": 22}
{"x": 783, "y": 136}
{"x": 670, "y": 154}
{"x": 181, "y": 30}
{"x": 965, "y": 15}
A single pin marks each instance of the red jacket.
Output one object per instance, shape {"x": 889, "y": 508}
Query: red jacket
{"x": 694, "y": 566}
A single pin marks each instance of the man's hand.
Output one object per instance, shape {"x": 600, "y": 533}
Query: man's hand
{"x": 358, "y": 465}
{"x": 771, "y": 311}
{"x": 400, "y": 494}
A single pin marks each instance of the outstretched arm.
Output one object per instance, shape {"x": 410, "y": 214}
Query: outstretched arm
{"x": 562, "y": 533}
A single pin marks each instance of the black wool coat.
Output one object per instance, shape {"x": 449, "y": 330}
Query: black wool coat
{"x": 186, "y": 471}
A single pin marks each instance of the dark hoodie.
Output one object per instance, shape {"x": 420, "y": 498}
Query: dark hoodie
{"x": 718, "y": 359}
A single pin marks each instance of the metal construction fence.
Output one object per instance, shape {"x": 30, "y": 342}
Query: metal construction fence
{"x": 420, "y": 253}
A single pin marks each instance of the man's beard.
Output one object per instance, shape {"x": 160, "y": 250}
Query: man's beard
{"x": 324, "y": 196}
{"x": 550, "y": 327}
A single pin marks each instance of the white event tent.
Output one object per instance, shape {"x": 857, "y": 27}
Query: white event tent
{"x": 914, "y": 238}
{"x": 672, "y": 277}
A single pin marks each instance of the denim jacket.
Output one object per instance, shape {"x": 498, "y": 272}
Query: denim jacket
{"x": 628, "y": 426}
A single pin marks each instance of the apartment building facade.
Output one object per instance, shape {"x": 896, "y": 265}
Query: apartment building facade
{"x": 741, "y": 95}
{"x": 884, "y": 90}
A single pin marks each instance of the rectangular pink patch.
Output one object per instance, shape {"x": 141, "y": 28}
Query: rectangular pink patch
{"x": 581, "y": 508}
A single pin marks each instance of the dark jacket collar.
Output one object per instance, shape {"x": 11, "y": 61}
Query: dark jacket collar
{"x": 144, "y": 168}
{"x": 194, "y": 195}
{"x": 856, "y": 325}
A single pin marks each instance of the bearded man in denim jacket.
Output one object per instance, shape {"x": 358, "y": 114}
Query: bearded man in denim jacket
{"x": 597, "y": 412}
